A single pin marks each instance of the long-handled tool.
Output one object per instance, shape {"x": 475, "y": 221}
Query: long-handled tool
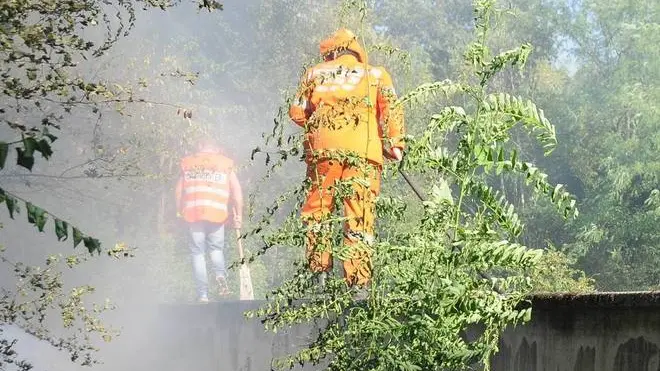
{"x": 246, "y": 292}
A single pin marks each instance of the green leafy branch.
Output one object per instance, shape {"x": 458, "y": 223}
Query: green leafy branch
{"x": 513, "y": 57}
{"x": 40, "y": 292}
{"x": 430, "y": 90}
{"x": 494, "y": 159}
{"x": 31, "y": 143}
{"x": 427, "y": 288}
{"x": 503, "y": 211}
{"x": 525, "y": 112}
{"x": 38, "y": 217}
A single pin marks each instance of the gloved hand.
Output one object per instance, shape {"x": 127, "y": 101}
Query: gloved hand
{"x": 394, "y": 154}
{"x": 397, "y": 153}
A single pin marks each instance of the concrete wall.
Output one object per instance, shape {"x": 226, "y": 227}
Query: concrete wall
{"x": 209, "y": 337}
{"x": 605, "y": 332}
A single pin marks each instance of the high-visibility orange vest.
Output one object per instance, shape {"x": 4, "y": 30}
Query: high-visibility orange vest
{"x": 363, "y": 125}
{"x": 205, "y": 187}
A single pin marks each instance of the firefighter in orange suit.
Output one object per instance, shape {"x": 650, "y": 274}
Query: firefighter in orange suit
{"x": 206, "y": 188}
{"x": 346, "y": 107}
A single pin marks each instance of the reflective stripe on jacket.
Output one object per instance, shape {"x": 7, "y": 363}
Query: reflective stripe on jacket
{"x": 344, "y": 104}
{"x": 205, "y": 187}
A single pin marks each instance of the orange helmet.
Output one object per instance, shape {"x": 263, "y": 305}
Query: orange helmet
{"x": 343, "y": 39}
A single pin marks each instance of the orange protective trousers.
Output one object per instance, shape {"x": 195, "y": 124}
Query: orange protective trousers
{"x": 359, "y": 209}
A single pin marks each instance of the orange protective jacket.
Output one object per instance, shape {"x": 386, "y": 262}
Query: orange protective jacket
{"x": 205, "y": 188}
{"x": 347, "y": 104}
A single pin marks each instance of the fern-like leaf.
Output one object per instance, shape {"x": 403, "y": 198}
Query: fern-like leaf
{"x": 525, "y": 112}
{"x": 517, "y": 56}
{"x": 425, "y": 91}
{"x": 502, "y": 211}
{"x": 502, "y": 254}
{"x": 497, "y": 158}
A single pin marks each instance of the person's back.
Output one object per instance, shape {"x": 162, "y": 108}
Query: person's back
{"x": 346, "y": 104}
{"x": 347, "y": 109}
{"x": 206, "y": 187}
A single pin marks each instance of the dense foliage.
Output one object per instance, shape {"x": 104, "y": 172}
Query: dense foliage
{"x": 445, "y": 287}
{"x": 68, "y": 67}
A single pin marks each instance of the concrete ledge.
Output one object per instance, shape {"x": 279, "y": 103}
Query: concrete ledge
{"x": 607, "y": 331}
{"x": 634, "y": 299}
{"x": 637, "y": 299}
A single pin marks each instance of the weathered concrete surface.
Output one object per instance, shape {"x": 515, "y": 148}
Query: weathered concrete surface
{"x": 604, "y": 332}
{"x": 210, "y": 337}
{"x": 600, "y": 332}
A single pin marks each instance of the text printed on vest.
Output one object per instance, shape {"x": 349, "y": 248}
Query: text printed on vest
{"x": 206, "y": 175}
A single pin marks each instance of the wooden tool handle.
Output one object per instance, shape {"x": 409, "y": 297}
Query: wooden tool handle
{"x": 239, "y": 243}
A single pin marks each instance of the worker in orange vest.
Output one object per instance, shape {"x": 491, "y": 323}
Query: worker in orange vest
{"x": 206, "y": 187}
{"x": 346, "y": 107}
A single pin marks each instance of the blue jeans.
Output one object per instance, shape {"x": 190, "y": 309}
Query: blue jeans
{"x": 207, "y": 236}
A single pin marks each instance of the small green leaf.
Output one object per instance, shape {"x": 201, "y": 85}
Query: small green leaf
{"x": 29, "y": 145}
{"x": 50, "y": 136}
{"x": 31, "y": 210}
{"x": 61, "y": 230}
{"x": 24, "y": 159}
{"x": 12, "y": 205}
{"x": 36, "y": 216}
{"x": 77, "y": 237}
{"x": 4, "y": 151}
{"x": 254, "y": 151}
{"x": 92, "y": 244}
{"x": 41, "y": 221}
{"x": 44, "y": 148}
